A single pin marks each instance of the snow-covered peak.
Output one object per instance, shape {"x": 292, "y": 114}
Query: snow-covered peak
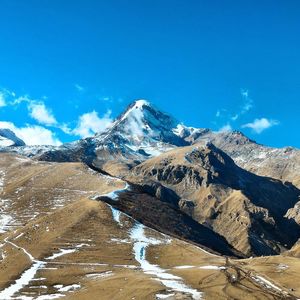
{"x": 8, "y": 138}
{"x": 134, "y": 110}
{"x": 183, "y": 131}
{"x": 142, "y": 120}
{"x": 142, "y": 127}
{"x": 140, "y": 103}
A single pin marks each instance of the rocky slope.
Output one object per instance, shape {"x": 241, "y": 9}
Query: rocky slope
{"x": 248, "y": 210}
{"x": 166, "y": 218}
{"x": 279, "y": 163}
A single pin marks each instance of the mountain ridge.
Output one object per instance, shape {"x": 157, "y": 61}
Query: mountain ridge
{"x": 143, "y": 131}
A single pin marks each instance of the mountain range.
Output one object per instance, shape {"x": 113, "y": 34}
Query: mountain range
{"x": 219, "y": 191}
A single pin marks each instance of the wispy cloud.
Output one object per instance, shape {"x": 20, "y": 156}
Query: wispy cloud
{"x": 230, "y": 117}
{"x": 235, "y": 117}
{"x": 33, "y": 134}
{"x": 5, "y": 96}
{"x": 2, "y": 100}
{"x": 221, "y": 113}
{"x": 110, "y": 99}
{"x": 65, "y": 128}
{"x": 259, "y": 125}
{"x": 90, "y": 123}
{"x": 79, "y": 87}
{"x": 225, "y": 128}
{"x": 247, "y": 101}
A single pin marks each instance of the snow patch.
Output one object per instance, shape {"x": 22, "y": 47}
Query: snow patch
{"x": 4, "y": 222}
{"x": 116, "y": 214}
{"x": 114, "y": 194}
{"x": 266, "y": 283}
{"x": 141, "y": 242}
{"x": 184, "y": 267}
{"x": 282, "y": 267}
{"x": 61, "y": 253}
{"x": 163, "y": 296}
{"x": 212, "y": 268}
{"x": 68, "y": 288}
{"x": 120, "y": 241}
{"x": 99, "y": 275}
{"x": 25, "y": 278}
{"x": 21, "y": 234}
{"x": 49, "y": 297}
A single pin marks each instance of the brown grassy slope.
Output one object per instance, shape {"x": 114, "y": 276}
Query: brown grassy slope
{"x": 102, "y": 244}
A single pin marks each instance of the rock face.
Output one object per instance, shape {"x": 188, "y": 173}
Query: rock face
{"x": 9, "y": 139}
{"x": 279, "y": 163}
{"x": 248, "y": 210}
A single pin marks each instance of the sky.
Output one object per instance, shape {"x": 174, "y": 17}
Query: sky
{"x": 69, "y": 67}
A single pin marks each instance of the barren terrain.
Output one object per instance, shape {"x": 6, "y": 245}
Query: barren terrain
{"x": 57, "y": 241}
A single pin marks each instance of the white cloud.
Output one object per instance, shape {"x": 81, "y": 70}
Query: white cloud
{"x": 65, "y": 128}
{"x": 225, "y": 128}
{"x": 19, "y": 100}
{"x": 41, "y": 113}
{"x": 235, "y": 117}
{"x": 5, "y": 96}
{"x": 248, "y": 102}
{"x": 245, "y": 93}
{"x": 246, "y": 105}
{"x": 2, "y": 100}
{"x": 90, "y": 123}
{"x": 37, "y": 110}
{"x": 259, "y": 125}
{"x": 79, "y": 87}
{"x": 33, "y": 134}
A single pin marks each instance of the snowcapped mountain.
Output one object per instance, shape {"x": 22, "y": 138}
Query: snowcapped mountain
{"x": 143, "y": 129}
{"x": 140, "y": 132}
{"x": 9, "y": 139}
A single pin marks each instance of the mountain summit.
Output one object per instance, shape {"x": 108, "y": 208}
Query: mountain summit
{"x": 143, "y": 128}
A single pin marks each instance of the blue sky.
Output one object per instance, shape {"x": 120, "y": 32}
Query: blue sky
{"x": 67, "y": 68}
